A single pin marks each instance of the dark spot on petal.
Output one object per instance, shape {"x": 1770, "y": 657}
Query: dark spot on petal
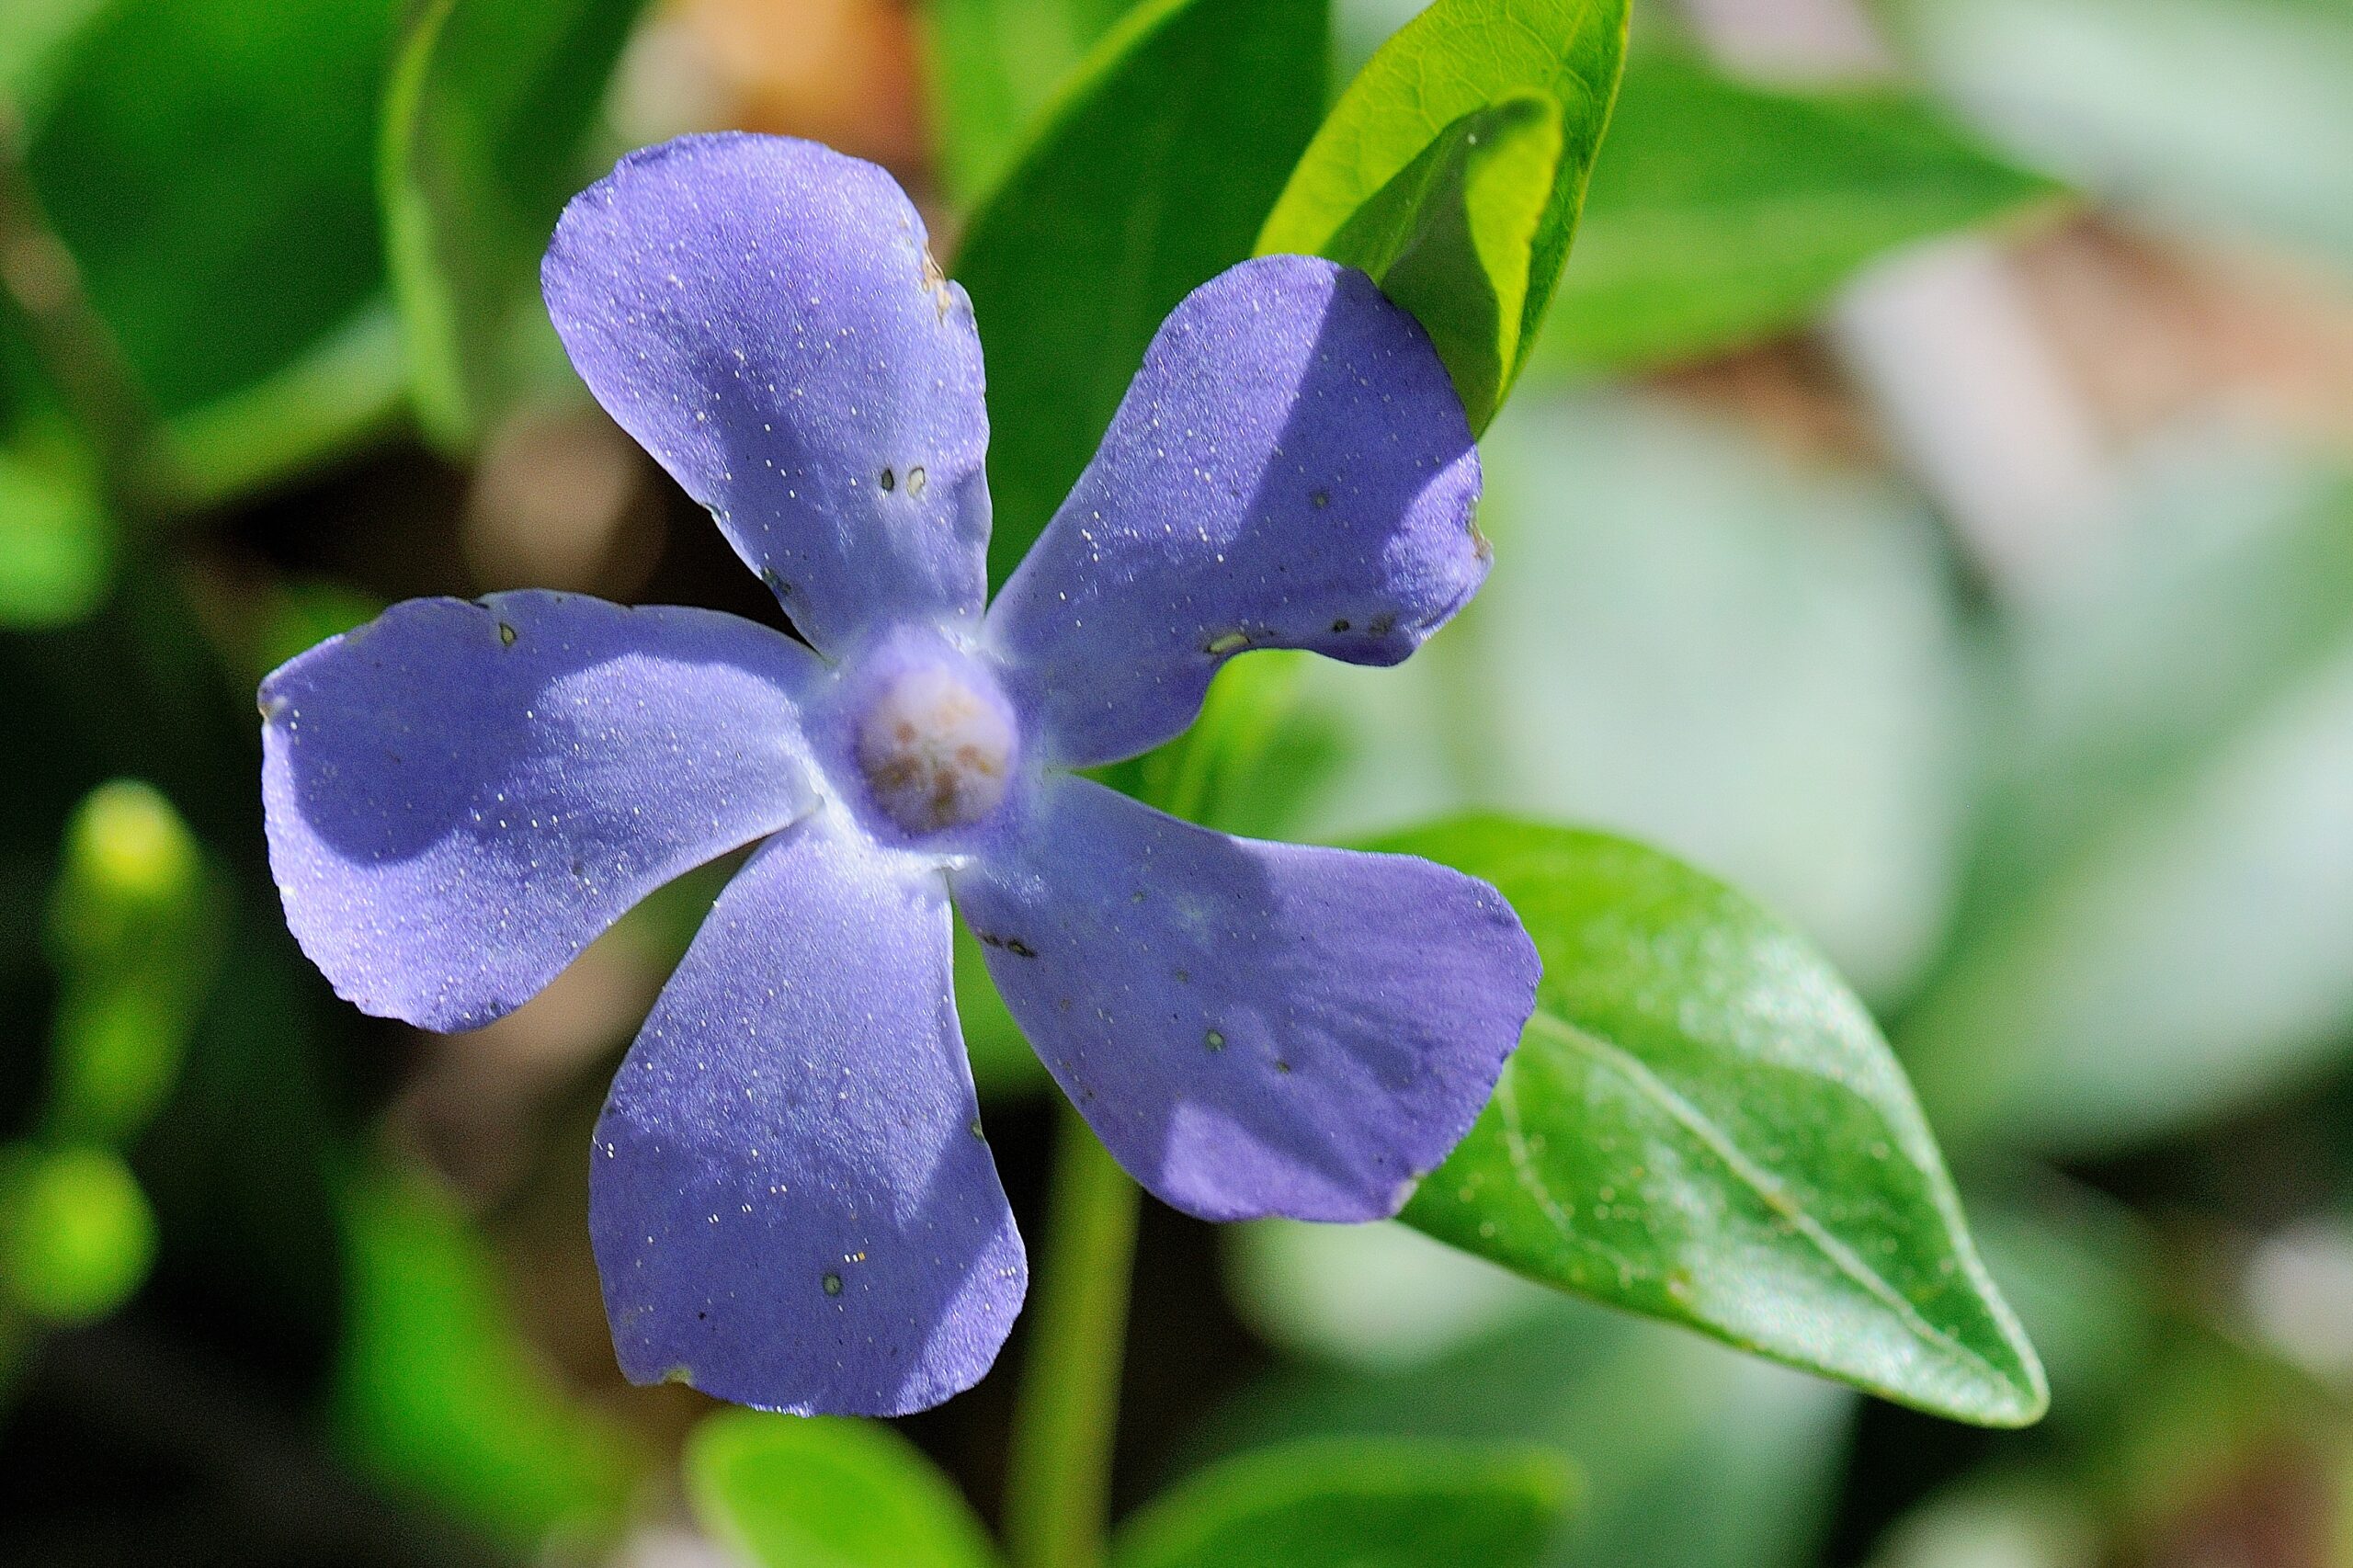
{"x": 1216, "y": 1040}
{"x": 832, "y": 1283}
{"x": 889, "y": 481}
{"x": 1340, "y": 625}
{"x": 507, "y": 634}
{"x": 1380, "y": 625}
{"x": 1282, "y": 1066}
{"x": 1013, "y": 945}
{"x": 1319, "y": 499}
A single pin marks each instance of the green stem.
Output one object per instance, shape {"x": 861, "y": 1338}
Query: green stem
{"x": 1058, "y": 1491}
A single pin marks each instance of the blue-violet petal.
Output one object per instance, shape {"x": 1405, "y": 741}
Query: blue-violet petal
{"x": 764, "y": 316}
{"x": 791, "y": 1203}
{"x": 1251, "y": 1028}
{"x": 460, "y": 797}
{"x": 1290, "y": 469}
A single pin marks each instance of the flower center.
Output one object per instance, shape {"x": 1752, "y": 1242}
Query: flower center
{"x": 937, "y": 744}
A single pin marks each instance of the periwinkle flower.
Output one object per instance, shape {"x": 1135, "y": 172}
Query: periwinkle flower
{"x": 791, "y": 1203}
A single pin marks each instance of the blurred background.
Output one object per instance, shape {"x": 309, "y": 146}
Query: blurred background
{"x": 1931, "y": 509}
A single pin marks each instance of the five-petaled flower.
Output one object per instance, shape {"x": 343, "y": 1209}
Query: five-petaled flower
{"x": 792, "y": 1202}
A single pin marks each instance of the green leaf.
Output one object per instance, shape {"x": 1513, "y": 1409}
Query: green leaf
{"x": 437, "y": 1391}
{"x": 993, "y": 67}
{"x": 1468, "y": 58}
{"x": 209, "y": 164}
{"x": 76, "y": 1235}
{"x": 1703, "y": 1125}
{"x": 56, "y": 542}
{"x": 136, "y": 947}
{"x": 1357, "y": 1503}
{"x": 1452, "y": 239}
{"x": 488, "y": 106}
{"x": 827, "y": 1492}
{"x": 1149, "y": 178}
{"x": 1725, "y": 211}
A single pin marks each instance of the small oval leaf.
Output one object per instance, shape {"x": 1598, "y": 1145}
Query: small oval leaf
{"x": 1452, "y": 237}
{"x": 827, "y": 1492}
{"x": 1463, "y": 58}
{"x": 1357, "y": 1503}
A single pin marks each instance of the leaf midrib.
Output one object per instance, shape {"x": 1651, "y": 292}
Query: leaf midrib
{"x": 1693, "y": 1121}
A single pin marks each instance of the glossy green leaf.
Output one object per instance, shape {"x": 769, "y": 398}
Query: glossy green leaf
{"x": 1149, "y": 178}
{"x": 1460, "y": 58}
{"x": 1357, "y": 1503}
{"x": 993, "y": 67}
{"x": 209, "y": 164}
{"x": 1725, "y": 212}
{"x": 135, "y": 948}
{"x": 437, "y": 1391}
{"x": 56, "y": 542}
{"x": 2158, "y": 931}
{"x": 1703, "y": 1125}
{"x": 483, "y": 127}
{"x": 827, "y": 1492}
{"x": 1453, "y": 236}
{"x": 76, "y": 1235}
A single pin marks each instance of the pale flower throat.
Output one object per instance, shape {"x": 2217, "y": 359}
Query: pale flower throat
{"x": 936, "y": 744}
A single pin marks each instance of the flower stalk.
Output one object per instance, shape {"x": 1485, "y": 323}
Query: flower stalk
{"x": 1058, "y": 1488}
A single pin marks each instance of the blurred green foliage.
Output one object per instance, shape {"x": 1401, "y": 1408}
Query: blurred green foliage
{"x": 1729, "y": 212}
{"x": 483, "y": 120}
{"x": 133, "y": 942}
{"x": 76, "y": 1235}
{"x": 435, "y": 1389}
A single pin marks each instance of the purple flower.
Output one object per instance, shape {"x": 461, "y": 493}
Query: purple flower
{"x": 792, "y": 1202}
